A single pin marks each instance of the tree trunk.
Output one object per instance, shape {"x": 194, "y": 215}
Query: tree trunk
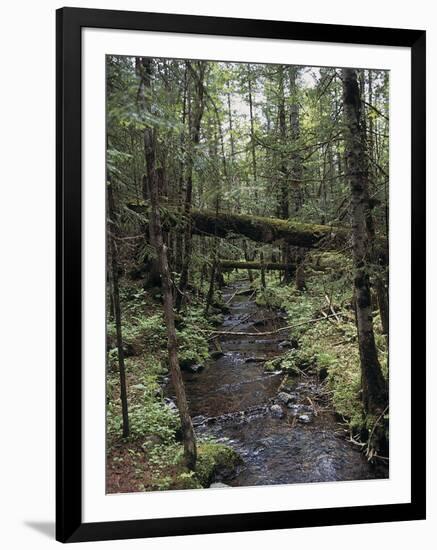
{"x": 374, "y": 391}
{"x": 263, "y": 269}
{"x": 117, "y": 310}
{"x": 210, "y": 294}
{"x": 382, "y": 294}
{"x": 252, "y": 130}
{"x": 246, "y": 257}
{"x": 195, "y": 118}
{"x": 296, "y": 159}
{"x": 300, "y": 271}
{"x": 179, "y": 234}
{"x": 189, "y": 440}
{"x": 284, "y": 201}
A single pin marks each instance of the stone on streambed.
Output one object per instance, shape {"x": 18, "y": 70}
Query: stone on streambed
{"x": 217, "y": 354}
{"x": 285, "y": 344}
{"x": 297, "y": 409}
{"x": 305, "y": 418}
{"x": 285, "y": 398}
{"x": 198, "y": 420}
{"x": 193, "y": 369}
{"x": 170, "y": 404}
{"x": 255, "y": 360}
{"x": 289, "y": 344}
{"x": 277, "y": 411}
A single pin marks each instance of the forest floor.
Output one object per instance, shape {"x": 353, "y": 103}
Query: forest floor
{"x": 287, "y": 402}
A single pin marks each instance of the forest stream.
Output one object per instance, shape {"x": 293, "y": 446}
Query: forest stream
{"x": 283, "y": 428}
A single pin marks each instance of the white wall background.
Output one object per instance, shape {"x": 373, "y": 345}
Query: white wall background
{"x": 27, "y": 225}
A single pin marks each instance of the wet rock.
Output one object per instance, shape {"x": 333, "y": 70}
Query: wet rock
{"x": 193, "y": 369}
{"x": 170, "y": 404}
{"x": 129, "y": 350}
{"x": 217, "y": 354}
{"x": 285, "y": 344}
{"x": 323, "y": 373}
{"x": 261, "y": 322}
{"x": 305, "y": 418}
{"x": 255, "y": 360}
{"x": 277, "y": 411}
{"x": 303, "y": 410}
{"x": 164, "y": 380}
{"x": 218, "y": 485}
{"x": 284, "y": 397}
{"x": 198, "y": 420}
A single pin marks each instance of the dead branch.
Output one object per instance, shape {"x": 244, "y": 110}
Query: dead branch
{"x": 268, "y": 333}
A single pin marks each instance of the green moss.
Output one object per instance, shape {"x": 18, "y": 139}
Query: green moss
{"x": 214, "y": 459}
{"x": 329, "y": 348}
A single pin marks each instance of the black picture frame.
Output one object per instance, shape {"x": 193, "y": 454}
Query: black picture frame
{"x": 69, "y": 525}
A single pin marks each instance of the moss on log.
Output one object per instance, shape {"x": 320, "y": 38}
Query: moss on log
{"x": 231, "y": 264}
{"x": 266, "y": 230}
{"x": 261, "y": 229}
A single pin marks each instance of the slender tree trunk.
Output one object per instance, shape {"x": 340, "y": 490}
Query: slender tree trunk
{"x": 252, "y": 131}
{"x": 383, "y": 304}
{"x": 374, "y": 391}
{"x": 210, "y": 294}
{"x": 246, "y": 257}
{"x": 300, "y": 270}
{"x": 284, "y": 187}
{"x": 297, "y": 172}
{"x": 284, "y": 202}
{"x": 179, "y": 234}
{"x": 381, "y": 277}
{"x": 150, "y": 141}
{"x": 195, "y": 118}
{"x": 263, "y": 270}
{"x": 117, "y": 311}
{"x": 296, "y": 159}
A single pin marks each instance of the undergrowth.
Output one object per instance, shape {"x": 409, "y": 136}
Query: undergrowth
{"x": 153, "y": 453}
{"x": 323, "y": 324}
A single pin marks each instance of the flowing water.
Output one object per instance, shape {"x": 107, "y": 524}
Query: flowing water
{"x": 232, "y": 398}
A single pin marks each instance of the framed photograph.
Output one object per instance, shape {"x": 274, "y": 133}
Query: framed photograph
{"x": 240, "y": 274}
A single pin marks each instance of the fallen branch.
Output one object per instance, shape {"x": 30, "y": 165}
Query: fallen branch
{"x": 268, "y": 333}
{"x": 370, "y": 452}
{"x": 232, "y": 297}
{"x": 331, "y": 307}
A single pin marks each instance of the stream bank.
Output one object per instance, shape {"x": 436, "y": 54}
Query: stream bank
{"x": 284, "y": 428}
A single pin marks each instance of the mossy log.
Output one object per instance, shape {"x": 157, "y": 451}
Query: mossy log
{"x": 266, "y": 230}
{"x": 231, "y": 264}
{"x": 260, "y": 229}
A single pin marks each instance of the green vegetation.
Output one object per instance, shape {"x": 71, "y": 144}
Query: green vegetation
{"x": 153, "y": 452}
{"x": 327, "y": 347}
{"x": 212, "y": 166}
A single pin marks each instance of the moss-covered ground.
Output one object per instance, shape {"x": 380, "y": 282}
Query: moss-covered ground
{"x": 152, "y": 457}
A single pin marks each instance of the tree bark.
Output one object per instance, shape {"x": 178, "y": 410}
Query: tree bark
{"x": 252, "y": 130}
{"x": 374, "y": 390}
{"x": 263, "y": 269}
{"x": 117, "y": 310}
{"x": 150, "y": 144}
{"x": 195, "y": 118}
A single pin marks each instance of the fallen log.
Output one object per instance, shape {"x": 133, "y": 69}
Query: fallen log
{"x": 260, "y": 229}
{"x": 231, "y": 264}
{"x": 267, "y": 230}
